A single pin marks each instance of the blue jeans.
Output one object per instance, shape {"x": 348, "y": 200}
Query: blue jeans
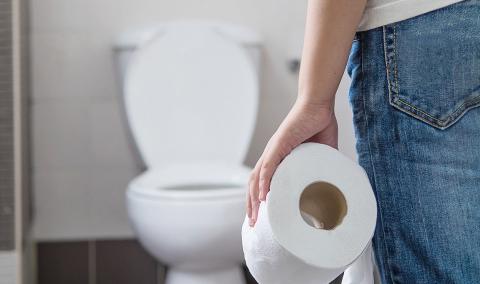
{"x": 415, "y": 96}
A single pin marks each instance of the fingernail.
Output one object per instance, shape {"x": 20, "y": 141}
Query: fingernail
{"x": 251, "y": 223}
{"x": 261, "y": 196}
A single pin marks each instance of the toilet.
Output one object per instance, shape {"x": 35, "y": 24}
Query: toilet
{"x": 190, "y": 93}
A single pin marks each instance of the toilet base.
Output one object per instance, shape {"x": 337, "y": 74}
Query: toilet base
{"x": 233, "y": 275}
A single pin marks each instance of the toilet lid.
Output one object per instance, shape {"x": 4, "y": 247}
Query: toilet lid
{"x": 191, "y": 95}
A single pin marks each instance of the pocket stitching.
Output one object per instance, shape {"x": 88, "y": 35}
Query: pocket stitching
{"x": 395, "y": 67}
{"x": 439, "y": 123}
{"x": 404, "y": 106}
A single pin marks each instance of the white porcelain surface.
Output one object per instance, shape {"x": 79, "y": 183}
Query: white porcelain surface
{"x": 192, "y": 182}
{"x": 191, "y": 95}
{"x": 135, "y": 38}
{"x": 191, "y": 234}
{"x": 131, "y": 40}
{"x": 191, "y": 99}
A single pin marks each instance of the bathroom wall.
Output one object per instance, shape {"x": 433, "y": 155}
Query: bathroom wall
{"x": 82, "y": 160}
{"x": 14, "y": 157}
{"x": 82, "y": 157}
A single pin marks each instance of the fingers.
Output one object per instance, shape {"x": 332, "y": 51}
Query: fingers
{"x": 253, "y": 202}
{"x": 249, "y": 206}
{"x": 260, "y": 178}
{"x": 255, "y": 207}
{"x": 272, "y": 157}
{"x": 303, "y": 123}
{"x": 265, "y": 177}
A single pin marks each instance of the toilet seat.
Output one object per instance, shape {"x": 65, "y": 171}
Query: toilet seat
{"x": 198, "y": 181}
{"x": 191, "y": 95}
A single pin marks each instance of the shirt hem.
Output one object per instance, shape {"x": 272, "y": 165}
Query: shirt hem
{"x": 382, "y": 15}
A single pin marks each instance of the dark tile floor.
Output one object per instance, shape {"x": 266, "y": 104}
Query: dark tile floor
{"x": 96, "y": 261}
{"x": 124, "y": 262}
{"x": 101, "y": 262}
{"x": 63, "y": 263}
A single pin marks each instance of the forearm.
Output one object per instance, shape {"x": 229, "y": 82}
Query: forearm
{"x": 329, "y": 31}
{"x": 330, "y": 27}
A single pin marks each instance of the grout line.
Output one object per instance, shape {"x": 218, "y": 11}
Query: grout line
{"x": 160, "y": 273}
{"x": 92, "y": 262}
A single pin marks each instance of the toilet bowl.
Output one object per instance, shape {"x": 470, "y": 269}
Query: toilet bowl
{"x": 190, "y": 95}
{"x": 191, "y": 222}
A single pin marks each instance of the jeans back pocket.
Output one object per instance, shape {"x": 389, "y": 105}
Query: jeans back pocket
{"x": 433, "y": 64}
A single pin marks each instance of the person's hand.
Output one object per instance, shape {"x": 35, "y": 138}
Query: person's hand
{"x": 306, "y": 122}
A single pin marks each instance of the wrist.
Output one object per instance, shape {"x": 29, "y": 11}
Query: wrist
{"x": 316, "y": 104}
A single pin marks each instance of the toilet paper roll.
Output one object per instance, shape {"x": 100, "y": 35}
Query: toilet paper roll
{"x": 319, "y": 217}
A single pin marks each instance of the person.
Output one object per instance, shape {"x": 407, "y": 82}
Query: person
{"x": 415, "y": 93}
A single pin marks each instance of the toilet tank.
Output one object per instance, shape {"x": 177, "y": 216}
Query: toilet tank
{"x": 127, "y": 43}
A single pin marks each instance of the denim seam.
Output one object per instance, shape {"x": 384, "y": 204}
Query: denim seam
{"x": 386, "y": 258}
{"x": 387, "y": 66}
{"x": 406, "y": 107}
{"x": 440, "y": 123}
{"x": 395, "y": 67}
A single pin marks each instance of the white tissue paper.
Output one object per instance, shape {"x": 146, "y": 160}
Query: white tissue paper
{"x": 362, "y": 270}
{"x": 290, "y": 246}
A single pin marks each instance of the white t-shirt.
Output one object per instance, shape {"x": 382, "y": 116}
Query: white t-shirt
{"x": 382, "y": 12}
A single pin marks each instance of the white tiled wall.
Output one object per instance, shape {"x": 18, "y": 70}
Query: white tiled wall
{"x": 82, "y": 157}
